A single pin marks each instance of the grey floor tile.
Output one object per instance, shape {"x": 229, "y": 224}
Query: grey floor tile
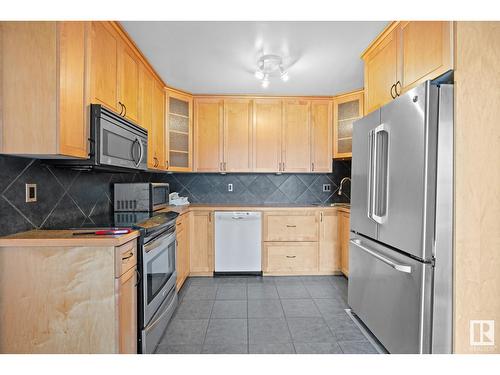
{"x": 200, "y": 292}
{"x": 268, "y": 331}
{"x": 185, "y": 332}
{"x": 207, "y": 281}
{"x": 232, "y": 280}
{"x": 194, "y": 309}
{"x": 340, "y": 282}
{"x": 315, "y": 279}
{"x": 233, "y": 292}
{"x": 344, "y": 328}
{"x": 292, "y": 291}
{"x": 262, "y": 280}
{"x": 265, "y": 308}
{"x": 300, "y": 308}
{"x": 357, "y": 347}
{"x": 262, "y": 291}
{"x": 322, "y": 290}
{"x": 317, "y": 348}
{"x": 308, "y": 330}
{"x": 229, "y": 309}
{"x": 287, "y": 280}
{"x": 275, "y": 348}
{"x": 178, "y": 349}
{"x": 330, "y": 306}
{"x": 227, "y": 331}
{"x": 225, "y": 349}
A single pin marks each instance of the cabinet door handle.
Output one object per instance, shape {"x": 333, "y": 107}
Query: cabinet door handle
{"x": 393, "y": 91}
{"x": 122, "y": 107}
{"x": 125, "y": 114}
{"x": 168, "y": 164}
{"x": 291, "y": 226}
{"x": 398, "y": 92}
{"x": 321, "y": 216}
{"x": 291, "y": 256}
{"x": 313, "y": 167}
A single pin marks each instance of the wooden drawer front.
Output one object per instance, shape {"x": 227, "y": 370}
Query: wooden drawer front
{"x": 181, "y": 223}
{"x": 286, "y": 226}
{"x": 125, "y": 257}
{"x": 290, "y": 257}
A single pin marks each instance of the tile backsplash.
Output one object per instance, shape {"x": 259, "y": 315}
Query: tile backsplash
{"x": 64, "y": 195}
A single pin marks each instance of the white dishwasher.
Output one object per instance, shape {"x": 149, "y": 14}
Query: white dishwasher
{"x": 238, "y": 242}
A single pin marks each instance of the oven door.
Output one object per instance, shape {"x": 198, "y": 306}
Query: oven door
{"x": 159, "y": 275}
{"x": 120, "y": 145}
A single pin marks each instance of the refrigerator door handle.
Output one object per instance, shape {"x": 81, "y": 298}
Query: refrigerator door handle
{"x": 371, "y": 190}
{"x": 380, "y": 191}
{"x": 399, "y": 267}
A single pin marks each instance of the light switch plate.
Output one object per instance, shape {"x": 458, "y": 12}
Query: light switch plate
{"x": 229, "y": 187}
{"x": 30, "y": 193}
{"x": 327, "y": 187}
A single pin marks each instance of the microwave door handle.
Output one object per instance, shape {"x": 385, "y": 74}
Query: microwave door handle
{"x": 141, "y": 151}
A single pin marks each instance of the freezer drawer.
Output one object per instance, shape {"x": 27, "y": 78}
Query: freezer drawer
{"x": 390, "y": 294}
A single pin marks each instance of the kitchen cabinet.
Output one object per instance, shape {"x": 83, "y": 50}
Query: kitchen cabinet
{"x": 290, "y": 258}
{"x": 404, "y": 55}
{"x": 296, "y": 146}
{"x": 267, "y": 135}
{"x": 158, "y": 126}
{"x": 43, "y": 89}
{"x": 344, "y": 235}
{"x": 182, "y": 259}
{"x": 321, "y": 136}
{"x": 179, "y": 132}
{"x": 145, "y": 111}
{"x": 208, "y": 118}
{"x": 290, "y": 225}
{"x": 201, "y": 249}
{"x": 329, "y": 245}
{"x": 346, "y": 109}
{"x": 128, "y": 82}
{"x": 237, "y": 135}
{"x": 78, "y": 295}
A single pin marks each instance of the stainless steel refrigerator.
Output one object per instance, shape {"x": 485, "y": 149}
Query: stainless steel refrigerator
{"x": 400, "y": 260}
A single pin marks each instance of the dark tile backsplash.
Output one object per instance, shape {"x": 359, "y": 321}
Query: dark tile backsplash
{"x": 64, "y": 195}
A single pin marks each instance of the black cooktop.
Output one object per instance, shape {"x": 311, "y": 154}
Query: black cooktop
{"x": 145, "y": 221}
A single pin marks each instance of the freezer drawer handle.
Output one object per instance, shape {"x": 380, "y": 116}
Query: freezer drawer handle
{"x": 399, "y": 267}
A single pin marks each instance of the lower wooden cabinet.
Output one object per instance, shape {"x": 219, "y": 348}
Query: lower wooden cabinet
{"x": 201, "y": 249}
{"x": 182, "y": 259}
{"x": 329, "y": 244}
{"x": 343, "y": 228}
{"x": 290, "y": 226}
{"x": 127, "y": 311}
{"x": 290, "y": 258}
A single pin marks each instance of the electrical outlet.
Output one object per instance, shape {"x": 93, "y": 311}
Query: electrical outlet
{"x": 327, "y": 187}
{"x": 229, "y": 187}
{"x": 30, "y": 193}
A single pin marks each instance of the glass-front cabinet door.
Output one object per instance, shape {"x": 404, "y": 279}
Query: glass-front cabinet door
{"x": 346, "y": 109}
{"x": 179, "y": 130}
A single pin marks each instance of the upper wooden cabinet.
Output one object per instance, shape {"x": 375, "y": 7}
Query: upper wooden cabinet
{"x": 158, "y": 126}
{"x": 296, "y": 136}
{"x": 404, "y": 55}
{"x": 267, "y": 134}
{"x": 237, "y": 150}
{"x": 179, "y": 131}
{"x": 208, "y": 118}
{"x": 235, "y": 134}
{"x": 145, "y": 112}
{"x": 346, "y": 109}
{"x": 321, "y": 135}
{"x": 128, "y": 82}
{"x": 43, "y": 89}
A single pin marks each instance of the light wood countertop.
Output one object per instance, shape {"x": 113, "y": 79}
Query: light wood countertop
{"x": 65, "y": 238}
{"x": 256, "y": 207}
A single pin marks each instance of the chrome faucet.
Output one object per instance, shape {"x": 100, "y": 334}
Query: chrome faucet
{"x": 342, "y": 183}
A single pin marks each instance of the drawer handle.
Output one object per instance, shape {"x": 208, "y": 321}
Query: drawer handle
{"x": 130, "y": 255}
{"x": 291, "y": 226}
{"x": 291, "y": 256}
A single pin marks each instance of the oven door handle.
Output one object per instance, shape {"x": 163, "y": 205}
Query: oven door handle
{"x": 151, "y": 245}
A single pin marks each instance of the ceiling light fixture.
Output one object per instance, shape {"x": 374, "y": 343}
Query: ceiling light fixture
{"x": 270, "y": 66}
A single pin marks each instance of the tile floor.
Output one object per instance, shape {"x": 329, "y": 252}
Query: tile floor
{"x": 263, "y": 315}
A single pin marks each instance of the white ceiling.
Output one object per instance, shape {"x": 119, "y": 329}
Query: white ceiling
{"x": 323, "y": 58}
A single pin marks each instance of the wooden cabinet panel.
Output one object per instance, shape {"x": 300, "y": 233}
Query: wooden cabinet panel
{"x": 290, "y": 226}
{"x": 179, "y": 131}
{"x": 321, "y": 131}
{"x": 380, "y": 72}
{"x": 182, "y": 260}
{"x": 128, "y": 82}
{"x": 125, "y": 257}
{"x": 425, "y": 51}
{"x": 296, "y": 136}
{"x": 158, "y": 125}
{"x": 145, "y": 111}
{"x": 127, "y": 312}
{"x": 208, "y": 134}
{"x": 267, "y": 134}
{"x": 104, "y": 66}
{"x": 289, "y": 258}
{"x": 344, "y": 225}
{"x": 329, "y": 249}
{"x": 237, "y": 135}
{"x": 346, "y": 109}
{"x": 201, "y": 249}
